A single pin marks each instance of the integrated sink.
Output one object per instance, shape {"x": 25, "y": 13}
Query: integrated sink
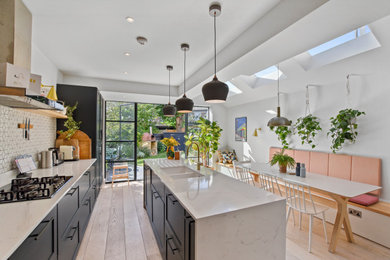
{"x": 181, "y": 172}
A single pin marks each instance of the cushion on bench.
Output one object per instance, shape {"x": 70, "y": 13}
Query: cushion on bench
{"x": 364, "y": 199}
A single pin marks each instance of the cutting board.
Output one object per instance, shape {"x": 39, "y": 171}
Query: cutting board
{"x": 80, "y": 140}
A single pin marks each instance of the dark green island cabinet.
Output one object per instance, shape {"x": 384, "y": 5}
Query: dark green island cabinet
{"x": 173, "y": 227}
{"x": 59, "y": 235}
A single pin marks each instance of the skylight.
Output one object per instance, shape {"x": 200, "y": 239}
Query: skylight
{"x": 233, "y": 90}
{"x": 269, "y": 73}
{"x": 340, "y": 40}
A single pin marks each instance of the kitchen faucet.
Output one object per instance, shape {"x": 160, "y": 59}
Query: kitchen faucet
{"x": 188, "y": 149}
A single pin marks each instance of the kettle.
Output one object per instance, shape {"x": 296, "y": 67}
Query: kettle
{"x": 58, "y": 157}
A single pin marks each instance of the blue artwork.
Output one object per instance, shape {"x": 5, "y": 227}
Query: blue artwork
{"x": 240, "y": 129}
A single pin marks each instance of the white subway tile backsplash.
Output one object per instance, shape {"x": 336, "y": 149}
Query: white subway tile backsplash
{"x": 12, "y": 143}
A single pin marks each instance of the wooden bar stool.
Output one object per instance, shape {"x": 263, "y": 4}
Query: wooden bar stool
{"x": 117, "y": 173}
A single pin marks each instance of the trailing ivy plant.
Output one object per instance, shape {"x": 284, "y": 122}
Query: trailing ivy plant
{"x": 71, "y": 125}
{"x": 283, "y": 132}
{"x": 343, "y": 128}
{"x": 308, "y": 127}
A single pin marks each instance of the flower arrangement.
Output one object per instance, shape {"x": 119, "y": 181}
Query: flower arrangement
{"x": 170, "y": 143}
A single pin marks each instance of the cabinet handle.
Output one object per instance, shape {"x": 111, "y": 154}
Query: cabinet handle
{"x": 37, "y": 236}
{"x": 72, "y": 191}
{"x": 74, "y": 233}
{"x": 154, "y": 195}
{"x": 172, "y": 199}
{"x": 87, "y": 202}
{"x": 173, "y": 249}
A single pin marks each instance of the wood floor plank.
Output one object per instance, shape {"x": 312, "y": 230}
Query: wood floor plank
{"x": 135, "y": 249}
{"x": 115, "y": 245}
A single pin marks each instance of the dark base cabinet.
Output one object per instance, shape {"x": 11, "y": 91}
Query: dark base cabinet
{"x": 59, "y": 235}
{"x": 173, "y": 227}
{"x": 42, "y": 243}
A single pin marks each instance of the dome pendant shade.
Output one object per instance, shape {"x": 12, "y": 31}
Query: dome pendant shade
{"x": 278, "y": 120}
{"x": 184, "y": 105}
{"x": 215, "y": 91}
{"x": 169, "y": 110}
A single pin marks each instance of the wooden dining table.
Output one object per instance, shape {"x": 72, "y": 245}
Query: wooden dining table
{"x": 338, "y": 189}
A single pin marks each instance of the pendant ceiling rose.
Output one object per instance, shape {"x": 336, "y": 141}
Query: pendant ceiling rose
{"x": 169, "y": 110}
{"x": 215, "y": 91}
{"x": 184, "y": 105}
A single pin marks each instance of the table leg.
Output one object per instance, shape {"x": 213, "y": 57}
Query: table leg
{"x": 342, "y": 218}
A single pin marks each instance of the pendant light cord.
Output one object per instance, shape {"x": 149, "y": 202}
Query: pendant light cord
{"x": 307, "y": 101}
{"x": 185, "y": 71}
{"x": 278, "y": 87}
{"x": 169, "y": 82}
{"x": 215, "y": 44}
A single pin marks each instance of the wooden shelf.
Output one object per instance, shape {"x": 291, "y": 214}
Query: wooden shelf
{"x": 43, "y": 112}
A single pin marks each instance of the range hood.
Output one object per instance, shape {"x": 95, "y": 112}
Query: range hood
{"x": 23, "y": 102}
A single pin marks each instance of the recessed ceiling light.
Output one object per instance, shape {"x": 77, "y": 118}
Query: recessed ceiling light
{"x": 130, "y": 19}
{"x": 125, "y": 72}
{"x": 126, "y": 53}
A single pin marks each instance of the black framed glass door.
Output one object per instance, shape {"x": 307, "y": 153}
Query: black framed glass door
{"x": 121, "y": 145}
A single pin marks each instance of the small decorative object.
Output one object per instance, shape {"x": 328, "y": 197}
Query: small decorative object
{"x": 344, "y": 127}
{"x": 241, "y": 129}
{"x": 283, "y": 133}
{"x": 170, "y": 143}
{"x": 298, "y": 169}
{"x": 255, "y": 132}
{"x": 177, "y": 155}
{"x": 303, "y": 171}
{"x": 283, "y": 160}
{"x": 52, "y": 95}
{"x": 278, "y": 120}
{"x": 71, "y": 125}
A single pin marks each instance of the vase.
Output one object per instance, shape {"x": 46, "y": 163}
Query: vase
{"x": 170, "y": 152}
{"x": 282, "y": 168}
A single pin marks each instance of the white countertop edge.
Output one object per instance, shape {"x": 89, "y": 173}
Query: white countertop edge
{"x": 57, "y": 197}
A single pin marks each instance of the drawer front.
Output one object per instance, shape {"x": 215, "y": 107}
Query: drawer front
{"x": 158, "y": 219}
{"x": 68, "y": 242}
{"x": 84, "y": 184}
{"x": 85, "y": 211}
{"x": 92, "y": 171}
{"x": 175, "y": 217}
{"x": 42, "y": 243}
{"x": 158, "y": 185}
{"x": 94, "y": 194}
{"x": 67, "y": 208}
{"x": 173, "y": 250}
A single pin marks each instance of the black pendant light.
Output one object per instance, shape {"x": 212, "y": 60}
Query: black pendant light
{"x": 168, "y": 109}
{"x": 184, "y": 104}
{"x": 279, "y": 120}
{"x": 215, "y": 91}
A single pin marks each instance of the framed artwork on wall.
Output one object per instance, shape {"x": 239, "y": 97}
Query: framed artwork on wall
{"x": 240, "y": 129}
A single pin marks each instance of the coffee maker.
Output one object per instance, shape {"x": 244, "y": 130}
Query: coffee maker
{"x": 58, "y": 156}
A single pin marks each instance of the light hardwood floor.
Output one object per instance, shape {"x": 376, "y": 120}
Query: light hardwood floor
{"x": 119, "y": 229}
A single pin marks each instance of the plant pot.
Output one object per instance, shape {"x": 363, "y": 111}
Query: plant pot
{"x": 282, "y": 168}
{"x": 170, "y": 152}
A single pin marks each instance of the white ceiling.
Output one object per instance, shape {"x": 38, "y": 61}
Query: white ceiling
{"x": 88, "y": 38}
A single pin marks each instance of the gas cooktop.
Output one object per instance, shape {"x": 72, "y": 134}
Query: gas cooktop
{"x": 26, "y": 189}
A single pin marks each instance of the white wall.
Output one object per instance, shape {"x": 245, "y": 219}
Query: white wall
{"x": 42, "y": 65}
{"x": 370, "y": 93}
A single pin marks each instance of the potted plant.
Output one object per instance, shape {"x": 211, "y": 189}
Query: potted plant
{"x": 343, "y": 128}
{"x": 283, "y": 132}
{"x": 207, "y": 136}
{"x": 308, "y": 127}
{"x": 170, "y": 143}
{"x": 283, "y": 160}
{"x": 71, "y": 125}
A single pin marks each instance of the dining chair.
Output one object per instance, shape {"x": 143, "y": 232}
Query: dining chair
{"x": 241, "y": 173}
{"x": 268, "y": 183}
{"x": 298, "y": 197}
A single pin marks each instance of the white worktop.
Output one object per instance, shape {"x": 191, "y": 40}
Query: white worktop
{"x": 212, "y": 194}
{"x": 19, "y": 219}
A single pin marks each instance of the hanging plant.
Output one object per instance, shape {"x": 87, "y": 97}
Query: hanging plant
{"x": 283, "y": 132}
{"x": 71, "y": 125}
{"x": 308, "y": 127}
{"x": 344, "y": 127}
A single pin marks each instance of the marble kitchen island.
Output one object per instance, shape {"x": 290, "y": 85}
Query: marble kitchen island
{"x": 233, "y": 220}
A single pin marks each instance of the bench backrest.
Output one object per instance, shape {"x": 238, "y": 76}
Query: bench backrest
{"x": 355, "y": 168}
